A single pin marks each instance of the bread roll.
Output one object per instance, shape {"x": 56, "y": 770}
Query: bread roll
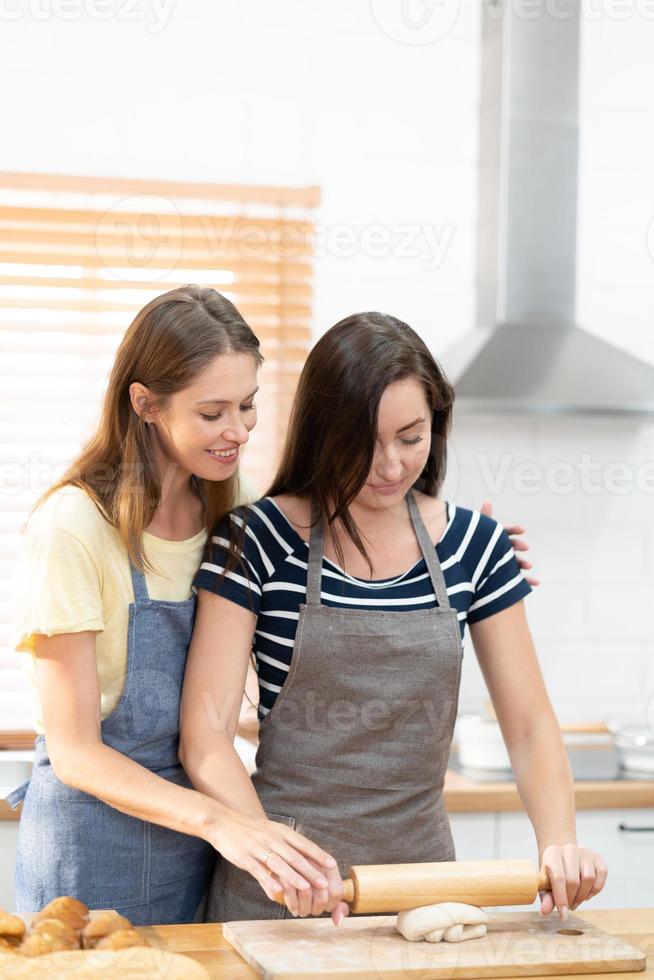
{"x": 38, "y": 944}
{"x": 121, "y": 939}
{"x": 101, "y": 926}
{"x": 53, "y": 927}
{"x": 67, "y": 909}
{"x": 11, "y": 925}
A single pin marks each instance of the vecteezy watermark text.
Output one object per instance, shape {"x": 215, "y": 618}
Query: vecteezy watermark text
{"x": 585, "y": 474}
{"x": 155, "y": 14}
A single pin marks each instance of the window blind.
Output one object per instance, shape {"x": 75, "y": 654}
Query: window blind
{"x": 79, "y": 256}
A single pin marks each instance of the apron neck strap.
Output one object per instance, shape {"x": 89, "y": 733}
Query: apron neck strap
{"x": 141, "y": 593}
{"x": 314, "y": 564}
{"x": 428, "y": 549}
{"x": 316, "y": 544}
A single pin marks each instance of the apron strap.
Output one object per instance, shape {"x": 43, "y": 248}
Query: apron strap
{"x": 141, "y": 593}
{"x": 429, "y": 552}
{"x": 314, "y": 564}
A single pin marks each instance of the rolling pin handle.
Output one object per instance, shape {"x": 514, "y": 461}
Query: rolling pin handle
{"x": 349, "y": 893}
{"x": 543, "y": 882}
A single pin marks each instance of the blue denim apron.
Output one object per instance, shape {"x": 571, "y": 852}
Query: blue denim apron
{"x": 71, "y": 843}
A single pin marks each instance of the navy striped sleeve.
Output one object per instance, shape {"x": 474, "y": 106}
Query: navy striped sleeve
{"x": 242, "y": 584}
{"x": 497, "y": 578}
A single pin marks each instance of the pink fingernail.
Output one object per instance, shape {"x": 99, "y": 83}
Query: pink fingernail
{"x": 330, "y": 862}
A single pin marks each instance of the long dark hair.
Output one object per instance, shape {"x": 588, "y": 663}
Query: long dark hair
{"x": 169, "y": 342}
{"x": 331, "y": 436}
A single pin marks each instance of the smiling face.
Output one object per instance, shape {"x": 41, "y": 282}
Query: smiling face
{"x": 204, "y": 426}
{"x": 402, "y": 445}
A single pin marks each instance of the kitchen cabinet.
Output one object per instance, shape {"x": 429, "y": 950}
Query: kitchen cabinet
{"x": 627, "y": 852}
{"x": 8, "y": 842}
{"x": 15, "y": 768}
{"x": 475, "y": 835}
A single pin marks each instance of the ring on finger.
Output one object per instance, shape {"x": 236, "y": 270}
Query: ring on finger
{"x": 267, "y": 857}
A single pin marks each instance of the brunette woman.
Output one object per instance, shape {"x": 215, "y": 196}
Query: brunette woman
{"x": 353, "y": 581}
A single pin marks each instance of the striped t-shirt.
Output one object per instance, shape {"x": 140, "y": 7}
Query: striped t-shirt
{"x": 481, "y": 573}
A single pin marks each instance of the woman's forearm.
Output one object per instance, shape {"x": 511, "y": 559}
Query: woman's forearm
{"x": 219, "y": 773}
{"x": 545, "y": 784}
{"x": 101, "y": 771}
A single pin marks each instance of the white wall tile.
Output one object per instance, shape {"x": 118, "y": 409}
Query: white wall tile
{"x": 593, "y": 550}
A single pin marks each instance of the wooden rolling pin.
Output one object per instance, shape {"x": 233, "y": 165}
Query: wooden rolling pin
{"x": 393, "y": 887}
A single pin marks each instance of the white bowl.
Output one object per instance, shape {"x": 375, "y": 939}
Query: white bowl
{"x": 634, "y": 744}
{"x": 480, "y": 744}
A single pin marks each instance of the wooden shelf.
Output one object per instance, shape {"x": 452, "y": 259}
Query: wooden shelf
{"x": 17, "y": 740}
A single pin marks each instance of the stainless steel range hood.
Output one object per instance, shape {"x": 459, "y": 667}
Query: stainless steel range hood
{"x": 529, "y": 355}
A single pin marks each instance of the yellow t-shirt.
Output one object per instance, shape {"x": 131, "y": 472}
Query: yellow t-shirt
{"x": 73, "y": 574}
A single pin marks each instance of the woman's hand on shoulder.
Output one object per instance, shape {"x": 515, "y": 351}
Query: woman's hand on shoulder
{"x": 514, "y": 531}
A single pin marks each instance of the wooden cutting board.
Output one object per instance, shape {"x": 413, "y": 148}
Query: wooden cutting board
{"x": 370, "y": 948}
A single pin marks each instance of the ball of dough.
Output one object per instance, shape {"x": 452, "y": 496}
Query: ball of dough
{"x": 452, "y": 921}
{"x": 456, "y": 934}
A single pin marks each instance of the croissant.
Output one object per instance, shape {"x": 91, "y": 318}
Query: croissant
{"x": 11, "y": 925}
{"x": 37, "y": 944}
{"x": 66, "y": 909}
{"x": 53, "y": 927}
{"x": 121, "y": 939}
{"x": 101, "y": 926}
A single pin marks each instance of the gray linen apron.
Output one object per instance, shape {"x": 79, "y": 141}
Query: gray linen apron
{"x": 354, "y": 751}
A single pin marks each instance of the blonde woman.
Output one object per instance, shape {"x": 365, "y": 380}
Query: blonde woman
{"x": 104, "y": 605}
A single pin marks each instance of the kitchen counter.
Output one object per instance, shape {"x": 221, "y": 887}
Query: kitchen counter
{"x": 463, "y": 795}
{"x": 205, "y": 942}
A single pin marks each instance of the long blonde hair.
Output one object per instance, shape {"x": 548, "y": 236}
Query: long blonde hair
{"x": 170, "y": 341}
